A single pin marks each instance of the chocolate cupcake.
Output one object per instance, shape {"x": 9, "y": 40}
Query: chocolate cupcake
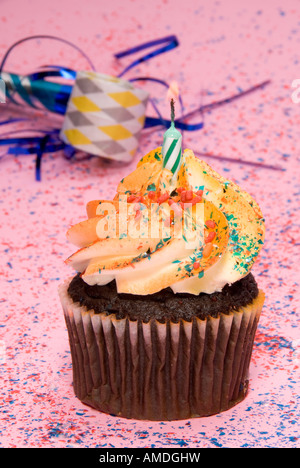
{"x": 163, "y": 311}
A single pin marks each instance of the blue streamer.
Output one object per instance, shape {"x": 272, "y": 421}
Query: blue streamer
{"x": 44, "y": 36}
{"x": 170, "y": 41}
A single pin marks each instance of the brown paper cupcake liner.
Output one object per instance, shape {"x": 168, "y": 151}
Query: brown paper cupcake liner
{"x": 160, "y": 371}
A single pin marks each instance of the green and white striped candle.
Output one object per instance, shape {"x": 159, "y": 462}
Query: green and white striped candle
{"x": 172, "y": 145}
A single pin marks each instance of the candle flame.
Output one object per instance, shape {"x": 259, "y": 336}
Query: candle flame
{"x": 173, "y": 91}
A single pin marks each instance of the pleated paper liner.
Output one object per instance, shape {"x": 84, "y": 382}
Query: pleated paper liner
{"x": 160, "y": 371}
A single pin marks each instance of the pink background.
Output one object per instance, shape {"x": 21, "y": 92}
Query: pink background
{"x": 225, "y": 46}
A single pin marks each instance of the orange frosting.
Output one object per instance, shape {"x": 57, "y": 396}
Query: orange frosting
{"x": 193, "y": 232}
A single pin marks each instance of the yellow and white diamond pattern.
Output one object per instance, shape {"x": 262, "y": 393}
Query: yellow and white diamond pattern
{"x": 104, "y": 116}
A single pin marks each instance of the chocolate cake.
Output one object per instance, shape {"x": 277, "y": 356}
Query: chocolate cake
{"x": 163, "y": 305}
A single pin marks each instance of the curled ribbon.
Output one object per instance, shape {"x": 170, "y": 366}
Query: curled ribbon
{"x": 36, "y": 91}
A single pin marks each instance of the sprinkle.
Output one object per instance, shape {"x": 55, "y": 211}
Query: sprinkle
{"x": 211, "y": 235}
{"x": 196, "y": 199}
{"x": 188, "y": 195}
{"x": 210, "y": 223}
{"x": 207, "y": 249}
{"x": 152, "y": 195}
{"x": 131, "y": 198}
{"x": 196, "y": 265}
{"x": 164, "y": 197}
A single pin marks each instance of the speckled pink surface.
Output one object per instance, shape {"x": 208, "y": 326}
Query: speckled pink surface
{"x": 224, "y": 46}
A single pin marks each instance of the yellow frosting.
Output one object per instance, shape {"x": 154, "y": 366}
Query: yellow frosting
{"x": 145, "y": 244}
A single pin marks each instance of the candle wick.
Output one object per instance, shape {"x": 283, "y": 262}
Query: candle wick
{"x": 172, "y": 111}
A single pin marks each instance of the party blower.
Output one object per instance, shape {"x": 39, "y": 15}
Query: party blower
{"x": 103, "y": 115}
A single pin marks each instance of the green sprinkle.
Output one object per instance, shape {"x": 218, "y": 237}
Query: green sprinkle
{"x": 151, "y": 187}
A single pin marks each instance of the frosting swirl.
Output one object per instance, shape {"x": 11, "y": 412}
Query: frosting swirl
{"x": 194, "y": 232}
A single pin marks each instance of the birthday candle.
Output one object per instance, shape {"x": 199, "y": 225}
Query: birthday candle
{"x": 171, "y": 148}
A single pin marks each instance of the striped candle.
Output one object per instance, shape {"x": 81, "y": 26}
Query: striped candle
{"x": 171, "y": 149}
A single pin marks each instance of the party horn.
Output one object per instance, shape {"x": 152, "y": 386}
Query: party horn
{"x": 37, "y": 93}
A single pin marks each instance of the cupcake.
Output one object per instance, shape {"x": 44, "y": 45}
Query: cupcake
{"x": 163, "y": 308}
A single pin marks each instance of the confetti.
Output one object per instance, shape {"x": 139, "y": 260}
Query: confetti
{"x": 221, "y": 50}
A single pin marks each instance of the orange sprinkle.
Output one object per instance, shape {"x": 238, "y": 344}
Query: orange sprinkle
{"x": 207, "y": 250}
{"x": 210, "y": 223}
{"x": 131, "y": 198}
{"x": 152, "y": 194}
{"x": 211, "y": 235}
{"x": 164, "y": 197}
{"x": 196, "y": 199}
{"x": 196, "y": 265}
{"x": 188, "y": 195}
{"x": 182, "y": 196}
